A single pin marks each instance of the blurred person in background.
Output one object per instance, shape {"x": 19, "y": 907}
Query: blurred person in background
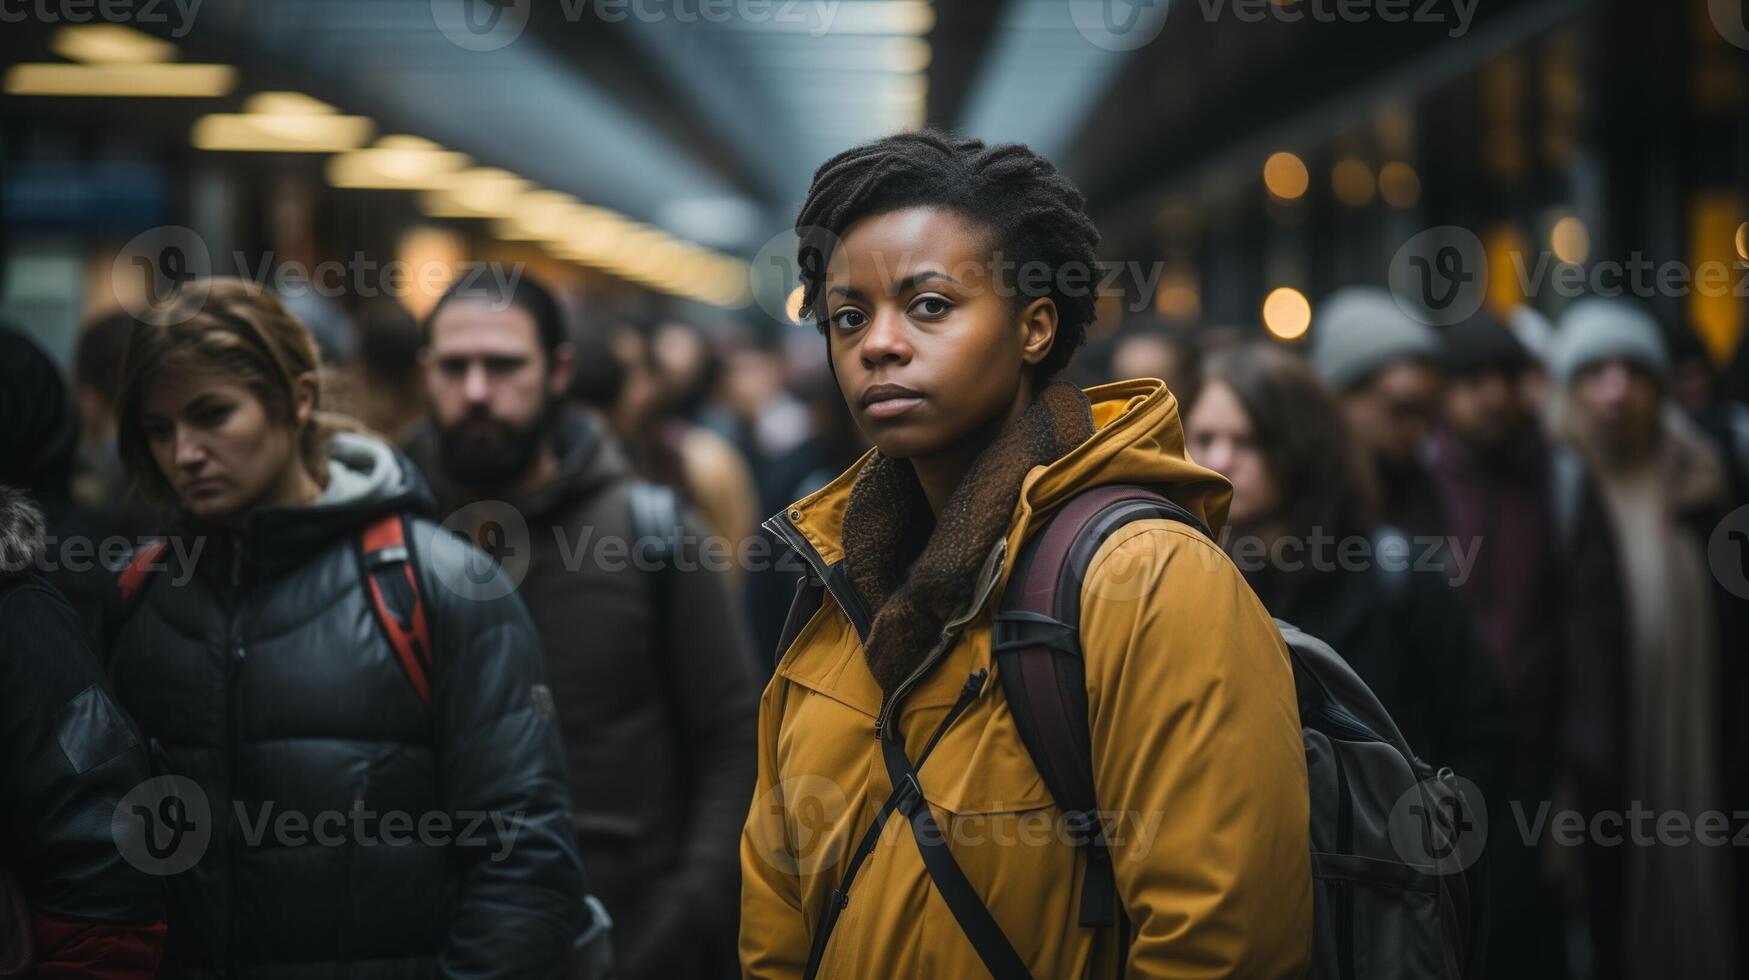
{"x": 39, "y": 444}
{"x": 1148, "y": 350}
{"x": 1543, "y": 589}
{"x": 255, "y": 652}
{"x": 382, "y": 387}
{"x": 1383, "y": 366}
{"x": 100, "y": 483}
{"x": 655, "y": 411}
{"x": 1534, "y": 332}
{"x": 1699, "y": 388}
{"x": 648, "y": 660}
{"x": 1680, "y": 909}
{"x": 1302, "y": 506}
{"x": 71, "y": 904}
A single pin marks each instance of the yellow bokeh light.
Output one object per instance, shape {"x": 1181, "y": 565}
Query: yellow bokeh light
{"x": 1285, "y": 175}
{"x": 1570, "y": 241}
{"x": 1399, "y": 185}
{"x": 1287, "y": 313}
{"x": 1352, "y": 182}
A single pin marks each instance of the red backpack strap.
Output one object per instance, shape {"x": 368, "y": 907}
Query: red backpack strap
{"x": 394, "y": 595}
{"x": 131, "y": 580}
{"x": 1037, "y": 646}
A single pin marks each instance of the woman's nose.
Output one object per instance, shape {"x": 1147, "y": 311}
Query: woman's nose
{"x": 886, "y": 340}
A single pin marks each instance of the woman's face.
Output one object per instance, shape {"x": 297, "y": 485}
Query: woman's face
{"x": 1219, "y": 432}
{"x": 927, "y": 348}
{"x": 216, "y": 444}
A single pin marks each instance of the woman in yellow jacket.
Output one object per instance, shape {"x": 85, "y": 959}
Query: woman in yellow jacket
{"x": 952, "y": 280}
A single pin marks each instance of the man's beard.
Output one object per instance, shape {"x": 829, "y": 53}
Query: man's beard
{"x": 480, "y": 452}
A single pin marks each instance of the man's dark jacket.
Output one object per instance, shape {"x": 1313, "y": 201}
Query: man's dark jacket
{"x": 263, "y": 674}
{"x": 652, "y": 679}
{"x": 68, "y": 756}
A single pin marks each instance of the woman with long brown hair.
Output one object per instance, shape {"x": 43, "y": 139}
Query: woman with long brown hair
{"x": 354, "y": 695}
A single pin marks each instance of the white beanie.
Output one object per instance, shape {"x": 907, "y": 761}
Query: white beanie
{"x": 1360, "y": 329}
{"x": 1596, "y": 328}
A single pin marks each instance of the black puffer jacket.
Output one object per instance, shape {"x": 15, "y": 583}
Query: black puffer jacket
{"x": 262, "y": 674}
{"x": 67, "y": 758}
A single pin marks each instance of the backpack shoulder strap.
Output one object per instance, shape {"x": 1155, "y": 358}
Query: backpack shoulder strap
{"x": 133, "y": 577}
{"x": 1038, "y": 658}
{"x": 655, "y": 517}
{"x": 393, "y": 587}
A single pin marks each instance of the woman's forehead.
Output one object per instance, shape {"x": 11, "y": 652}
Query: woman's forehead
{"x": 894, "y": 245}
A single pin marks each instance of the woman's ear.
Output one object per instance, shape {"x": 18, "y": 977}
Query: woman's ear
{"x": 1038, "y": 329}
{"x": 304, "y": 390}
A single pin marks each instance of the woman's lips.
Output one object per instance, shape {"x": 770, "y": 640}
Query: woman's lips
{"x": 203, "y": 486}
{"x": 887, "y": 408}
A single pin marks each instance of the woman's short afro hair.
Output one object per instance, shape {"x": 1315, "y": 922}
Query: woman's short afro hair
{"x": 1037, "y": 218}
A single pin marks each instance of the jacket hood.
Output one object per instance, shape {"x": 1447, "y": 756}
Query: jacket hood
{"x": 22, "y": 529}
{"x": 1137, "y": 438}
{"x": 367, "y": 478}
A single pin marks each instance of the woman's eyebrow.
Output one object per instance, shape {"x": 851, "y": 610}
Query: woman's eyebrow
{"x": 916, "y": 279}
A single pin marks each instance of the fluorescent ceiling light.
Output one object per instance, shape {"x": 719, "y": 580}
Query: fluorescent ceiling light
{"x": 110, "y": 44}
{"x": 147, "y": 80}
{"x": 396, "y": 163}
{"x": 291, "y": 133}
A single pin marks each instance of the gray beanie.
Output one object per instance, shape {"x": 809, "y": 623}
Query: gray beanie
{"x": 1359, "y": 330}
{"x": 1596, "y": 328}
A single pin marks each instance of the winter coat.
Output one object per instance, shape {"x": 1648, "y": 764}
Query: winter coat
{"x": 354, "y": 829}
{"x": 653, "y": 681}
{"x": 68, "y": 757}
{"x": 1195, "y": 740}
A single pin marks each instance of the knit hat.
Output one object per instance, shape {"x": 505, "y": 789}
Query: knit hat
{"x": 1359, "y": 330}
{"x": 1482, "y": 343}
{"x": 1533, "y": 330}
{"x": 1596, "y": 328}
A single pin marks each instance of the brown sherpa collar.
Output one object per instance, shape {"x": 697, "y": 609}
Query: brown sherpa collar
{"x": 887, "y": 524}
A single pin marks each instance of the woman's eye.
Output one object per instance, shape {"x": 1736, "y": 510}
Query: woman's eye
{"x": 209, "y": 417}
{"x": 849, "y": 319}
{"x": 931, "y": 307}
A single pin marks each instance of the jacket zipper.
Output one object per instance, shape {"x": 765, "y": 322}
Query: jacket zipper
{"x": 785, "y": 529}
{"x": 986, "y": 583}
{"x": 782, "y": 526}
{"x": 234, "y": 654}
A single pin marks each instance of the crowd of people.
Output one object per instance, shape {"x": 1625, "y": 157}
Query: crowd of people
{"x": 1502, "y": 525}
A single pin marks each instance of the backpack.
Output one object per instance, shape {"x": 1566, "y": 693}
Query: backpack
{"x": 385, "y": 564}
{"x": 1376, "y": 912}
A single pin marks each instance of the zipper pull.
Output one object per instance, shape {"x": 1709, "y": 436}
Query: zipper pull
{"x": 974, "y": 684}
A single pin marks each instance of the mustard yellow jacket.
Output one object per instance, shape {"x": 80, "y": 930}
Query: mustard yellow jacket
{"x": 1196, "y": 745}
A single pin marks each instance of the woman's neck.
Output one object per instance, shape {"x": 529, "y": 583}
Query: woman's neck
{"x": 941, "y": 473}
